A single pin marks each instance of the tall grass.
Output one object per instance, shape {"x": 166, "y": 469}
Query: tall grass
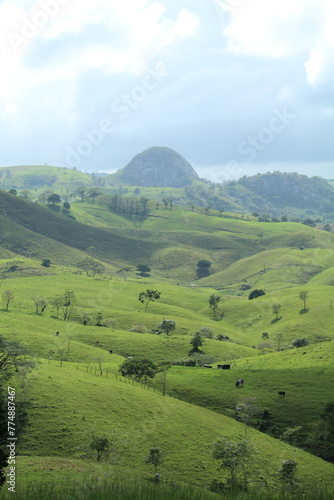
{"x": 139, "y": 489}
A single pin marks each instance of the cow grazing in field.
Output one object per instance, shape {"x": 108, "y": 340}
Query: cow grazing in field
{"x": 57, "y": 333}
{"x": 239, "y": 382}
{"x": 207, "y": 366}
{"x": 282, "y": 394}
{"x": 224, "y": 367}
{"x": 110, "y": 351}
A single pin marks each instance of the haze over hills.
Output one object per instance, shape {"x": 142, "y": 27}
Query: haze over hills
{"x": 160, "y": 172}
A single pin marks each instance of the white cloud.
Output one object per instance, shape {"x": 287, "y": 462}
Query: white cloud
{"x": 110, "y": 36}
{"x": 282, "y": 29}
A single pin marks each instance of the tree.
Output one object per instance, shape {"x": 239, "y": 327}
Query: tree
{"x": 143, "y": 269}
{"x": 155, "y": 458}
{"x": 213, "y": 303}
{"x": 57, "y": 302}
{"x": 256, "y": 293}
{"x": 236, "y": 457}
{"x": 46, "y": 263}
{"x": 247, "y": 409}
{"x": 279, "y": 337}
{"x": 303, "y": 342}
{"x": 82, "y": 190}
{"x": 53, "y": 198}
{"x": 101, "y": 445}
{"x": 123, "y": 272}
{"x": 196, "y": 342}
{"x": 68, "y": 303}
{"x": 44, "y": 196}
{"x": 287, "y": 474}
{"x": 303, "y": 295}
{"x": 148, "y": 296}
{"x": 207, "y": 331}
{"x": 13, "y": 191}
{"x": 167, "y": 325}
{"x": 203, "y": 264}
{"x": 7, "y": 297}
{"x": 25, "y": 193}
{"x": 66, "y": 205}
{"x": 321, "y": 438}
{"x": 203, "y": 268}
{"x": 94, "y": 192}
{"x": 276, "y": 308}
{"x": 138, "y": 369}
{"x": 91, "y": 266}
{"x": 40, "y": 304}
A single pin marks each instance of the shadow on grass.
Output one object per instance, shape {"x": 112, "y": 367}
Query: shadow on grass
{"x": 276, "y": 320}
{"x": 304, "y": 311}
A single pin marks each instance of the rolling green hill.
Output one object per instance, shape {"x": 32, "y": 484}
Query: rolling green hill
{"x": 75, "y": 389}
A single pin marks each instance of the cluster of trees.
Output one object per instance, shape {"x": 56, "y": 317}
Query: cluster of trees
{"x": 128, "y": 206}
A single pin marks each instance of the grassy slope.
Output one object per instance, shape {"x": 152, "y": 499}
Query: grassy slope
{"x": 308, "y": 385}
{"x": 69, "y": 405}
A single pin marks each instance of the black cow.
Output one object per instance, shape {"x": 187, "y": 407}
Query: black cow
{"x": 239, "y": 382}
{"x": 282, "y": 394}
{"x": 224, "y": 367}
{"x": 207, "y": 366}
{"x": 110, "y": 351}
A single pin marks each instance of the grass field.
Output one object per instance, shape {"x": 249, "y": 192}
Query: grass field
{"x": 76, "y": 391}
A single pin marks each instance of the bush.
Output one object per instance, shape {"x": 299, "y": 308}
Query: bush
{"x": 207, "y": 331}
{"x": 256, "y": 293}
{"x": 138, "y": 328}
{"x": 222, "y": 337}
{"x": 185, "y": 362}
{"x": 300, "y": 342}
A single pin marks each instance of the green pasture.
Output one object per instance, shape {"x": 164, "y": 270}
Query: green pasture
{"x": 69, "y": 404}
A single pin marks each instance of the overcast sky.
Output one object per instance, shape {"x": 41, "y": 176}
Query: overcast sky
{"x": 235, "y": 86}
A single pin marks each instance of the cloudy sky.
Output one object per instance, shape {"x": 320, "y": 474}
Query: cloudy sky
{"x": 235, "y": 86}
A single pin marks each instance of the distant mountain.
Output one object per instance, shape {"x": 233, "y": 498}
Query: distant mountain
{"x": 156, "y": 166}
{"x": 291, "y": 190}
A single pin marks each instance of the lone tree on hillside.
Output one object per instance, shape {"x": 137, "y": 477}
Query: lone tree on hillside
{"x": 46, "y": 263}
{"x": 94, "y": 192}
{"x": 123, "y": 272}
{"x": 203, "y": 268}
{"x": 287, "y": 474}
{"x": 82, "y": 191}
{"x": 276, "y": 308}
{"x": 53, "y": 198}
{"x": 156, "y": 458}
{"x": 91, "y": 266}
{"x": 256, "y": 293}
{"x": 68, "y": 303}
{"x": 57, "y": 302}
{"x": 303, "y": 296}
{"x": 167, "y": 325}
{"x": 101, "y": 445}
{"x": 213, "y": 303}
{"x": 143, "y": 269}
{"x": 196, "y": 342}
{"x": 236, "y": 457}
{"x": 7, "y": 297}
{"x": 40, "y": 304}
{"x": 148, "y": 296}
{"x": 138, "y": 369}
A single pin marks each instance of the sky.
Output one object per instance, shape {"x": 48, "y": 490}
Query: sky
{"x": 236, "y": 87}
